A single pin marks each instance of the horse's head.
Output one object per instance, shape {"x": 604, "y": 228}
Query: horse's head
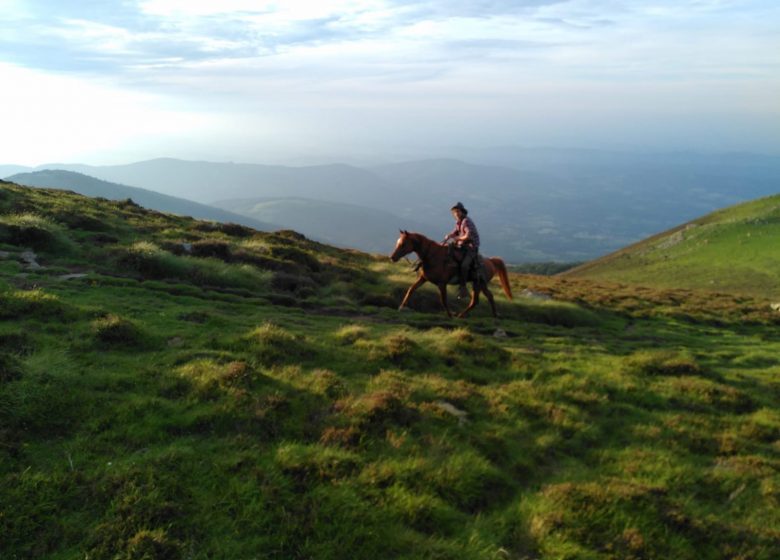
{"x": 403, "y": 246}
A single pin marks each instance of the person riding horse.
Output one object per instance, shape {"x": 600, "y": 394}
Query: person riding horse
{"x": 464, "y": 243}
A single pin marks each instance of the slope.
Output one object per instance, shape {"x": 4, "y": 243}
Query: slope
{"x": 733, "y": 250}
{"x": 171, "y": 388}
{"x": 345, "y": 225}
{"x": 90, "y": 186}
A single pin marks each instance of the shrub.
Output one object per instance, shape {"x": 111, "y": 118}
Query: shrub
{"x": 297, "y": 256}
{"x": 272, "y": 344}
{"x": 662, "y": 362}
{"x": 211, "y": 248}
{"x": 115, "y": 331}
{"x": 152, "y": 262}
{"x": 349, "y": 334}
{"x": 10, "y": 368}
{"x": 296, "y": 283}
{"x": 155, "y": 263}
{"x": 461, "y": 345}
{"x": 307, "y": 463}
{"x": 23, "y": 304}
{"x": 34, "y": 231}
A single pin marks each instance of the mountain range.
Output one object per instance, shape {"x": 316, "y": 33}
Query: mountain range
{"x": 529, "y": 205}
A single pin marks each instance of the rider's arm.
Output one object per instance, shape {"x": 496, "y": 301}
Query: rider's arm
{"x": 451, "y": 235}
{"x": 465, "y": 232}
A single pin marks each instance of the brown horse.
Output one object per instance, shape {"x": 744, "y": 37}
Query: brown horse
{"x": 439, "y": 269}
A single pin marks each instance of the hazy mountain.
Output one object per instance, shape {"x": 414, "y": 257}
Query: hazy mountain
{"x": 8, "y": 170}
{"x": 530, "y": 205}
{"x": 90, "y": 186}
{"x": 206, "y": 182}
{"x": 345, "y": 225}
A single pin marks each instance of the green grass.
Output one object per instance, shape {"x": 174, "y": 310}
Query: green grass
{"x": 287, "y": 410}
{"x": 733, "y": 250}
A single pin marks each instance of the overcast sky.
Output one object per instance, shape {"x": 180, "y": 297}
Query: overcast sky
{"x": 254, "y": 81}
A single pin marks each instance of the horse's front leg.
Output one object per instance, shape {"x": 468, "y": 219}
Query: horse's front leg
{"x": 419, "y": 282}
{"x": 443, "y": 299}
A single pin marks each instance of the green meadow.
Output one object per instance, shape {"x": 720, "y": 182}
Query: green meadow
{"x": 734, "y": 250}
{"x": 180, "y": 389}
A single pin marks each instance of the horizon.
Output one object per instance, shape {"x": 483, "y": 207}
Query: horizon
{"x": 378, "y": 160}
{"x": 258, "y": 82}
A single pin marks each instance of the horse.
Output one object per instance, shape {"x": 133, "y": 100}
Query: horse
{"x": 439, "y": 269}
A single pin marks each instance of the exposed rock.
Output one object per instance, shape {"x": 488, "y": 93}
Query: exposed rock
{"x": 531, "y": 294}
{"x": 30, "y": 260}
{"x": 451, "y": 409}
{"x": 4, "y": 254}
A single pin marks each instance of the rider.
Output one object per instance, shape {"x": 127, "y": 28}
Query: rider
{"x": 464, "y": 237}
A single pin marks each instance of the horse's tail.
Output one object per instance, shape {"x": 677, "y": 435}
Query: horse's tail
{"x": 502, "y": 275}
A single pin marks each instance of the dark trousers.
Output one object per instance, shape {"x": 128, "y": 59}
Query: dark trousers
{"x": 465, "y": 265}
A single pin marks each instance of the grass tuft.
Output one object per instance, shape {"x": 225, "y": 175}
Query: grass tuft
{"x": 662, "y": 362}
{"x": 117, "y": 332}
{"x": 33, "y": 230}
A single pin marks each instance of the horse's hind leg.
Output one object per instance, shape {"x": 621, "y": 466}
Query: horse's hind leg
{"x": 489, "y": 296}
{"x": 473, "y": 302}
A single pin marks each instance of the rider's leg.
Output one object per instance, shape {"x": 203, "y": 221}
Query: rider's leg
{"x": 465, "y": 265}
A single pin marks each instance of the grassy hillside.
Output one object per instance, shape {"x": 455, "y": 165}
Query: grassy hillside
{"x": 734, "y": 250}
{"x": 200, "y": 390}
{"x": 90, "y": 186}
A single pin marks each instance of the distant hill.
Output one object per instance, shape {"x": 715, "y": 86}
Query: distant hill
{"x": 90, "y": 186}
{"x": 531, "y": 205}
{"x": 206, "y": 182}
{"x": 345, "y": 225}
{"x": 734, "y": 250}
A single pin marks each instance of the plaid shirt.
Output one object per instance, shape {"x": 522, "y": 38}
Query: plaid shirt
{"x": 465, "y": 227}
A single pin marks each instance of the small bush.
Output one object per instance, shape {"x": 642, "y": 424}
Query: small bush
{"x": 152, "y": 262}
{"x": 229, "y": 228}
{"x": 155, "y": 263}
{"x": 349, "y": 334}
{"x": 34, "y": 231}
{"x": 295, "y": 283}
{"x": 422, "y": 511}
{"x": 10, "y": 368}
{"x": 309, "y": 463}
{"x": 297, "y": 256}
{"x": 463, "y": 346}
{"x": 115, "y": 331}
{"x": 400, "y": 349}
{"x": 662, "y": 362}
{"x": 23, "y": 304}
{"x": 376, "y": 411}
{"x": 272, "y": 344}
{"x": 210, "y": 248}
{"x": 210, "y": 379}
{"x": 18, "y": 343}
{"x": 152, "y": 545}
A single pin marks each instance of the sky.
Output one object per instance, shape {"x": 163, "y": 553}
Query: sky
{"x": 108, "y": 82}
